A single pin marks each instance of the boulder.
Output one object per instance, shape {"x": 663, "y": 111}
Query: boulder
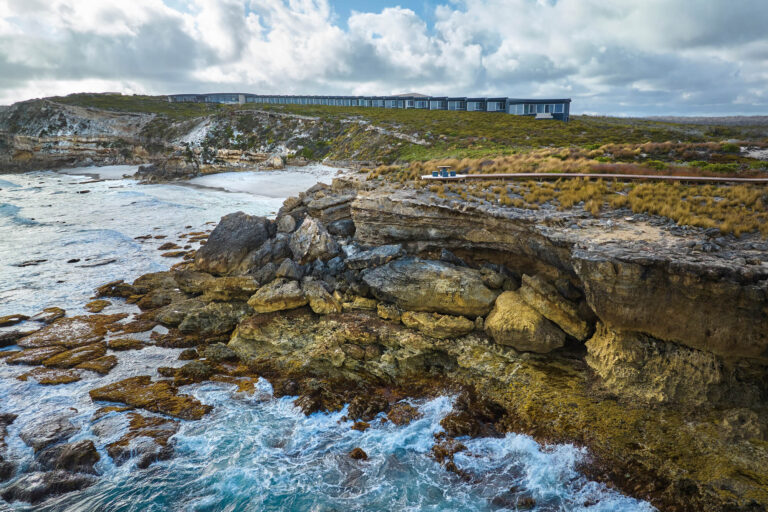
{"x": 265, "y": 274}
{"x": 215, "y": 318}
{"x": 76, "y": 457}
{"x": 544, "y": 298}
{"x": 278, "y": 295}
{"x": 274, "y": 162}
{"x": 289, "y": 270}
{"x": 514, "y": 323}
{"x": 423, "y": 285}
{"x": 342, "y": 228}
{"x": 389, "y": 312}
{"x": 229, "y": 289}
{"x": 358, "y": 454}
{"x": 286, "y": 224}
{"x": 102, "y": 365}
{"x": 219, "y": 352}
{"x": 160, "y": 396}
{"x": 195, "y": 371}
{"x": 234, "y": 237}
{"x": 8, "y": 338}
{"x": 437, "y": 325}
{"x": 192, "y": 282}
{"x": 147, "y": 440}
{"x": 33, "y": 356}
{"x": 51, "y": 430}
{"x": 312, "y": 241}
{"x": 321, "y": 302}
{"x": 375, "y": 257}
{"x": 51, "y": 376}
{"x": 38, "y": 486}
{"x": 173, "y": 314}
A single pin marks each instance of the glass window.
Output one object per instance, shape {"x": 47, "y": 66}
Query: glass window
{"x": 540, "y": 108}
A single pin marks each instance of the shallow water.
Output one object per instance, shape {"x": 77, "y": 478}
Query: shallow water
{"x": 252, "y": 452}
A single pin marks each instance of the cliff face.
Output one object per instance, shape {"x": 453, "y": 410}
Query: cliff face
{"x": 43, "y": 134}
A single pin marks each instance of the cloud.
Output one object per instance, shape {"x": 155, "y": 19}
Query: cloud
{"x": 618, "y": 57}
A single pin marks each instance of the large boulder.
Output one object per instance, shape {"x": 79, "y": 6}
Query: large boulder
{"x": 544, "y": 298}
{"x": 321, "y": 302}
{"x": 437, "y": 325}
{"x": 77, "y": 457}
{"x": 48, "y": 431}
{"x": 312, "y": 241}
{"x": 421, "y": 285}
{"x": 375, "y": 257}
{"x": 228, "y": 289}
{"x": 236, "y": 235}
{"x": 278, "y": 295}
{"x": 514, "y": 323}
{"x": 38, "y": 486}
{"x": 215, "y": 318}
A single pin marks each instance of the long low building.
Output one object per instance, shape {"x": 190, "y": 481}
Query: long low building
{"x": 539, "y": 108}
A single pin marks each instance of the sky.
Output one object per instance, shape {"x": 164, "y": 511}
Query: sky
{"x": 614, "y": 57}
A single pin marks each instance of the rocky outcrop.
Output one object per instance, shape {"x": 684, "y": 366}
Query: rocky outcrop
{"x": 419, "y": 285}
{"x": 547, "y": 301}
{"x": 437, "y": 325}
{"x": 514, "y": 323}
{"x": 279, "y": 295}
{"x": 311, "y": 241}
{"x": 235, "y": 236}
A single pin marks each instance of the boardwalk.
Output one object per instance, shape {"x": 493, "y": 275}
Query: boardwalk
{"x": 626, "y": 177}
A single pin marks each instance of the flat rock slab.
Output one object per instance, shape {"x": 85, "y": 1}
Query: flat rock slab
{"x": 76, "y": 356}
{"x": 72, "y": 332}
{"x": 33, "y": 356}
{"x": 160, "y": 396}
{"x": 36, "y": 487}
{"x": 51, "y": 430}
{"x": 51, "y": 376}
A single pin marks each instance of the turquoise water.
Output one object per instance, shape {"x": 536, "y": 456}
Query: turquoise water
{"x": 253, "y": 452}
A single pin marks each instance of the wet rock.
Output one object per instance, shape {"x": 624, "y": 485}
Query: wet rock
{"x": 72, "y": 332}
{"x": 389, "y": 312}
{"x": 289, "y": 270}
{"x": 229, "y": 289}
{"x": 102, "y": 365}
{"x": 192, "y": 282}
{"x": 8, "y": 320}
{"x": 402, "y": 413}
{"x": 6, "y": 418}
{"x": 448, "y": 257}
{"x": 48, "y": 431}
{"x": 158, "y": 298}
{"x": 188, "y": 354}
{"x": 168, "y": 246}
{"x": 312, "y": 241}
{"x": 160, "y": 396}
{"x": 38, "y": 486}
{"x": 173, "y": 314}
{"x": 33, "y": 356}
{"x": 286, "y": 224}
{"x": 77, "y": 457}
{"x": 358, "y": 454}
{"x": 215, "y": 318}
{"x": 218, "y": 353}
{"x": 50, "y": 376}
{"x": 97, "y": 306}
{"x": 75, "y": 356}
{"x": 11, "y": 337}
{"x": 422, "y": 285}
{"x": 7, "y": 469}
{"x": 195, "y": 371}
{"x": 176, "y": 254}
{"x": 342, "y": 228}
{"x": 360, "y": 426}
{"x": 121, "y": 344}
{"x": 366, "y": 407}
{"x": 544, "y": 298}
{"x": 321, "y": 302}
{"x": 279, "y": 295}
{"x": 437, "y": 325}
{"x": 375, "y": 257}
{"x": 514, "y": 323}
{"x": 48, "y": 315}
{"x": 234, "y": 237}
{"x": 118, "y": 289}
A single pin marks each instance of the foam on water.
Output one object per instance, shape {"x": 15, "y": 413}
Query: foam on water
{"x": 252, "y": 452}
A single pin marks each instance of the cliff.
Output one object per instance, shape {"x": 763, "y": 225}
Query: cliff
{"x": 617, "y": 332}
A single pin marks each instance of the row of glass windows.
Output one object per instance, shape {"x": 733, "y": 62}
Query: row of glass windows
{"x": 475, "y": 105}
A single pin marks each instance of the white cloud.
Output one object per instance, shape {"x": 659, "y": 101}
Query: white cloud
{"x": 620, "y": 56}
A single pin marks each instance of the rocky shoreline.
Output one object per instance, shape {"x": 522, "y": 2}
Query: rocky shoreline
{"x": 645, "y": 343}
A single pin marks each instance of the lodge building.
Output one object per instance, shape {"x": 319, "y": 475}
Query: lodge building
{"x": 538, "y": 108}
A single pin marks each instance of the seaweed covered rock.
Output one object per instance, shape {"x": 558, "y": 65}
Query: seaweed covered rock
{"x": 514, "y": 323}
{"x": 160, "y": 396}
{"x": 321, "y": 302}
{"x": 234, "y": 237}
{"x": 423, "y": 285}
{"x": 437, "y": 325}
{"x": 38, "y": 486}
